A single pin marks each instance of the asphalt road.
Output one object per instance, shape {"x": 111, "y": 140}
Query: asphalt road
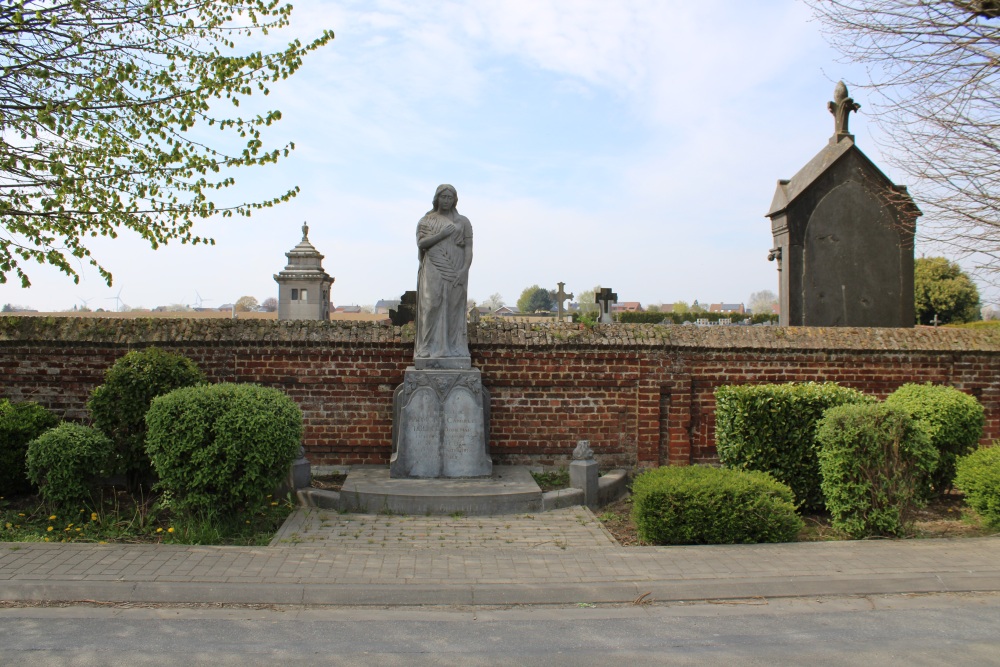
{"x": 912, "y": 630}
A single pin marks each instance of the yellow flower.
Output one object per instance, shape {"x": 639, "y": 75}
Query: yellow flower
{"x": 102, "y": 542}
{"x": 52, "y": 518}
{"x": 46, "y": 539}
{"x": 8, "y": 525}
{"x": 93, "y": 516}
{"x": 170, "y": 530}
{"x": 20, "y": 513}
{"x": 49, "y": 529}
{"x": 159, "y": 530}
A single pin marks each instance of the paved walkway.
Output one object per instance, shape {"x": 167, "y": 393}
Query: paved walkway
{"x": 554, "y": 557}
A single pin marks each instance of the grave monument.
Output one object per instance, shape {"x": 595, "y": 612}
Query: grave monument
{"x": 843, "y": 237}
{"x": 303, "y": 285}
{"x": 441, "y": 411}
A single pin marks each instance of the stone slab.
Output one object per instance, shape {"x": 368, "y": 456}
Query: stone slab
{"x": 440, "y": 425}
{"x": 509, "y": 490}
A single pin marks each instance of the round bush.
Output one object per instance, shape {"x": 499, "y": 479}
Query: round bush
{"x": 952, "y": 420}
{"x": 875, "y": 462}
{"x": 222, "y": 447}
{"x": 20, "y": 423}
{"x": 978, "y": 477}
{"x": 68, "y": 463}
{"x": 119, "y": 406}
{"x": 704, "y": 505}
{"x": 772, "y": 428}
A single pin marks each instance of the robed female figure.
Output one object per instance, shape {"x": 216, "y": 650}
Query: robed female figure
{"x": 444, "y": 240}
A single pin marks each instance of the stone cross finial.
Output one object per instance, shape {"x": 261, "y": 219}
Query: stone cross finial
{"x": 841, "y": 107}
{"x": 305, "y": 231}
{"x": 561, "y": 296}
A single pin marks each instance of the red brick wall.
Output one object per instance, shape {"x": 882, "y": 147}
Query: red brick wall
{"x": 642, "y": 394}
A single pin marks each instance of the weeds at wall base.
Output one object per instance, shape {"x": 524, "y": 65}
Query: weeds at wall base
{"x": 119, "y": 517}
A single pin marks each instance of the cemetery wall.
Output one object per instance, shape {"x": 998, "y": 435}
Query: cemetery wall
{"x": 642, "y": 394}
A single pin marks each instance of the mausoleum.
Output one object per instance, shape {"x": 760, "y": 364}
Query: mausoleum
{"x": 303, "y": 285}
{"x": 843, "y": 238}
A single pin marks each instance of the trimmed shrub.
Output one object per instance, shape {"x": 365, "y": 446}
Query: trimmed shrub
{"x": 20, "y": 423}
{"x": 68, "y": 463}
{"x": 952, "y": 420}
{"x": 875, "y": 461}
{"x": 978, "y": 477}
{"x": 705, "y": 505}
{"x": 772, "y": 428}
{"x": 119, "y": 406}
{"x": 222, "y": 447}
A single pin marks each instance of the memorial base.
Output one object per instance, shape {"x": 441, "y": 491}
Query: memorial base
{"x": 440, "y": 425}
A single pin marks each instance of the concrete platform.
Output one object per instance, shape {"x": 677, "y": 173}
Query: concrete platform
{"x": 510, "y": 490}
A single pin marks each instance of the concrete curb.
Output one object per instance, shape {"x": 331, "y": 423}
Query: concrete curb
{"x": 494, "y": 594}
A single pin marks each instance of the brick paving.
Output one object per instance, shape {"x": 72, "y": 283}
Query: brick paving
{"x": 325, "y": 557}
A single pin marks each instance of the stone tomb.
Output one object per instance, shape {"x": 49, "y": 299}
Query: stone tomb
{"x": 440, "y": 425}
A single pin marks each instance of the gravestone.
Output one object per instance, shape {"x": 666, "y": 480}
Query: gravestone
{"x": 561, "y": 296}
{"x": 406, "y": 311}
{"x": 843, "y": 237}
{"x": 303, "y": 285}
{"x": 441, "y": 411}
{"x": 605, "y": 299}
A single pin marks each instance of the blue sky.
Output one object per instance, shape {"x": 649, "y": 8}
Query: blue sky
{"x": 631, "y": 144}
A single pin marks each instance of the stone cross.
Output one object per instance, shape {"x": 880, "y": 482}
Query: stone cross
{"x": 605, "y": 298}
{"x": 561, "y": 296}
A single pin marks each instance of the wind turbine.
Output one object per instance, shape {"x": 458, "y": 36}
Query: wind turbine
{"x": 199, "y": 301}
{"x": 117, "y": 299}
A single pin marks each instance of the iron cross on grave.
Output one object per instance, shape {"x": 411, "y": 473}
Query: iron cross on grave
{"x": 606, "y": 298}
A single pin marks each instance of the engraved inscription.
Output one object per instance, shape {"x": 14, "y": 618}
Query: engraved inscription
{"x": 422, "y": 434}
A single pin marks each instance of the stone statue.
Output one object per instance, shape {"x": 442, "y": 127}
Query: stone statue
{"x": 444, "y": 240}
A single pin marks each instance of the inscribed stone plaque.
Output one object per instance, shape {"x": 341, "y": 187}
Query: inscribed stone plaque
{"x": 421, "y": 433}
{"x": 463, "y": 446}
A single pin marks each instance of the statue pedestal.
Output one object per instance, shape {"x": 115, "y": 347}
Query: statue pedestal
{"x": 440, "y": 425}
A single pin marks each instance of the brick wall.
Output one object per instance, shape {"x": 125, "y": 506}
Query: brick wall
{"x": 642, "y": 394}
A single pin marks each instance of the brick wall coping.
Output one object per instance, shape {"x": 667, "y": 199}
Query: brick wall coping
{"x": 144, "y": 331}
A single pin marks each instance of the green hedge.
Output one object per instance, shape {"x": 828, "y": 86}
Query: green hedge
{"x": 875, "y": 461}
{"x": 953, "y": 422}
{"x": 20, "y": 423}
{"x": 978, "y": 477}
{"x": 681, "y": 318}
{"x": 68, "y": 463}
{"x": 119, "y": 406}
{"x": 772, "y": 428}
{"x": 704, "y": 505}
{"x": 222, "y": 447}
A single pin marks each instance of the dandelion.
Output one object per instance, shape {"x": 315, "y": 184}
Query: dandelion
{"x": 46, "y": 539}
{"x": 274, "y": 504}
{"x": 93, "y": 516}
{"x": 52, "y": 518}
{"x": 20, "y": 513}
{"x": 159, "y": 530}
{"x": 8, "y": 525}
{"x": 102, "y": 542}
{"x": 49, "y": 529}
{"x": 170, "y": 530}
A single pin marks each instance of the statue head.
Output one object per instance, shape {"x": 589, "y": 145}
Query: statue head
{"x": 443, "y": 188}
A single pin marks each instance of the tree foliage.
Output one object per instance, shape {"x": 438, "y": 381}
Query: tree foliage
{"x": 246, "y": 304}
{"x": 535, "y": 298}
{"x": 269, "y": 305}
{"x": 762, "y": 301}
{"x": 105, "y": 111}
{"x": 942, "y": 288}
{"x": 934, "y": 88}
{"x": 494, "y": 302}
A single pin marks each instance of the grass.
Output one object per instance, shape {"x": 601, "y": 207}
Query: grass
{"x": 118, "y": 517}
{"x": 552, "y": 480}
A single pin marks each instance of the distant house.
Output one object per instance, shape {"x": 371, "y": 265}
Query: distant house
{"x": 727, "y": 308}
{"x": 506, "y": 311}
{"x": 383, "y": 306}
{"x": 626, "y": 307}
{"x": 348, "y": 309}
{"x": 226, "y": 308}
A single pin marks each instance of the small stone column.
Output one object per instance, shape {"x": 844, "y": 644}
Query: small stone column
{"x": 583, "y": 473}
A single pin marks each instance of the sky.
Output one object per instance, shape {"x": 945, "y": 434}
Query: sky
{"x": 633, "y": 144}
